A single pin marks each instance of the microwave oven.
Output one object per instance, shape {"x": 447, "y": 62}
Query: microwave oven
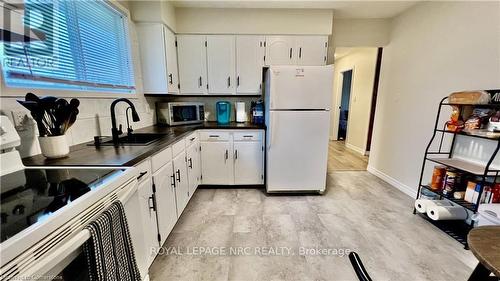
{"x": 180, "y": 113}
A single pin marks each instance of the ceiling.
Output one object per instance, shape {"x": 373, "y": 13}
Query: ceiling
{"x": 342, "y": 9}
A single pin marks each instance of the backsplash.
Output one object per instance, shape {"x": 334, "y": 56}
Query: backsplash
{"x": 210, "y": 103}
{"x": 94, "y": 119}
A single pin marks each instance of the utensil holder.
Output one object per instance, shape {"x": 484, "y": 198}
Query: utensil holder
{"x": 54, "y": 146}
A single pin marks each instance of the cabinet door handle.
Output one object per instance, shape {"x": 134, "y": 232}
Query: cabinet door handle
{"x": 172, "y": 182}
{"x": 199, "y": 82}
{"x": 226, "y": 156}
{"x": 190, "y": 160}
{"x": 238, "y": 81}
{"x": 236, "y": 154}
{"x": 300, "y": 52}
{"x": 178, "y": 172}
{"x": 290, "y": 53}
{"x": 191, "y": 139}
{"x": 152, "y": 203}
{"x": 170, "y": 79}
{"x": 229, "y": 81}
{"x": 213, "y": 136}
{"x": 141, "y": 174}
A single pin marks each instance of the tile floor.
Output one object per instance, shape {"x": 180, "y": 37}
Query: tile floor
{"x": 358, "y": 212}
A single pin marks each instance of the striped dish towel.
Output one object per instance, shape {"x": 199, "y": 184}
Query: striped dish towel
{"x": 109, "y": 252}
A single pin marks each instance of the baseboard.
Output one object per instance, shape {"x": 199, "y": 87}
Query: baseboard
{"x": 355, "y": 148}
{"x": 392, "y": 181}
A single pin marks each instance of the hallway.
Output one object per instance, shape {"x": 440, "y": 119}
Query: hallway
{"x": 341, "y": 158}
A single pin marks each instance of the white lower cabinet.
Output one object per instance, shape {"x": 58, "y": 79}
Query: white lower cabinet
{"x": 248, "y": 163}
{"x": 216, "y": 162}
{"x": 147, "y": 211}
{"x": 166, "y": 209}
{"x": 193, "y": 167}
{"x": 181, "y": 182}
{"x": 135, "y": 225}
{"x": 232, "y": 157}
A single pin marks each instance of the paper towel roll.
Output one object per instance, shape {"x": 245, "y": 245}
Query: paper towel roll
{"x": 421, "y": 205}
{"x": 446, "y": 213}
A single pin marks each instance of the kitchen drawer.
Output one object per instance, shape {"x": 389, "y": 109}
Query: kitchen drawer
{"x": 143, "y": 170}
{"x": 214, "y": 136}
{"x": 178, "y": 147}
{"x": 192, "y": 138}
{"x": 248, "y": 136}
{"x": 161, "y": 158}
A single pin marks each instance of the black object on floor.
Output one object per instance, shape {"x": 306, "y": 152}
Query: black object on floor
{"x": 358, "y": 267}
{"x": 481, "y": 273}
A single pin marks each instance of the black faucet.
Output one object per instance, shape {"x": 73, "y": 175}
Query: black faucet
{"x": 116, "y": 132}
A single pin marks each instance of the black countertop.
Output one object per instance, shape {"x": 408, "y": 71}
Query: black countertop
{"x": 106, "y": 156}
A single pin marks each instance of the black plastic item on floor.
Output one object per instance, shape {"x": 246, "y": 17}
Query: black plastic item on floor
{"x": 358, "y": 267}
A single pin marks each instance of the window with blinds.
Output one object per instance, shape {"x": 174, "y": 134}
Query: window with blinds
{"x": 86, "y": 47}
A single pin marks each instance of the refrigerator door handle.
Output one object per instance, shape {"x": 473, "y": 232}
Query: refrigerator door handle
{"x": 272, "y": 129}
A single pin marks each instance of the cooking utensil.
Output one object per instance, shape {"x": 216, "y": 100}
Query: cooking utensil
{"x": 54, "y": 116}
{"x": 37, "y": 114}
{"x": 32, "y": 97}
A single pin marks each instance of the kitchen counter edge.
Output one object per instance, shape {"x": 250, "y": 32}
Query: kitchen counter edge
{"x": 126, "y": 156}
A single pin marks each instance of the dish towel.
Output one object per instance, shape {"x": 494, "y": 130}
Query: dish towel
{"x": 109, "y": 252}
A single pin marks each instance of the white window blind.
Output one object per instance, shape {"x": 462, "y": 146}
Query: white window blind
{"x": 86, "y": 47}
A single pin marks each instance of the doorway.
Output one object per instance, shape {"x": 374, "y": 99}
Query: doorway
{"x": 356, "y": 76}
{"x": 344, "y": 104}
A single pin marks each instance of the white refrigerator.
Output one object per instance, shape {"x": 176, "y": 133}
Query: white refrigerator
{"x": 297, "y": 102}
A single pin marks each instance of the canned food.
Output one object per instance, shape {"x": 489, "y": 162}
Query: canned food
{"x": 437, "y": 177}
{"x": 451, "y": 181}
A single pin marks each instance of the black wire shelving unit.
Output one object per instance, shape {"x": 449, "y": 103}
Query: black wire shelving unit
{"x": 487, "y": 175}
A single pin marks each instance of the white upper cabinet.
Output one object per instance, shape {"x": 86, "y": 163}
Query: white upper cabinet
{"x": 158, "y": 59}
{"x": 280, "y": 50}
{"x": 299, "y": 50}
{"x": 221, "y": 64}
{"x": 192, "y": 59}
{"x": 250, "y": 53}
{"x": 173, "y": 75}
{"x": 311, "y": 50}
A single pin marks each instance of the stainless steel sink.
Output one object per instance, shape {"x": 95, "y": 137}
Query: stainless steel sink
{"x": 136, "y": 139}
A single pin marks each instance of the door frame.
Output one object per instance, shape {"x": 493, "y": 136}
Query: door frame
{"x": 373, "y": 105}
{"x": 338, "y": 100}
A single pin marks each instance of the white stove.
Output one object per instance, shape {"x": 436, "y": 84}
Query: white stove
{"x": 44, "y": 210}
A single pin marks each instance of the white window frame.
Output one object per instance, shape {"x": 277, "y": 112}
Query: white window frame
{"x": 16, "y": 92}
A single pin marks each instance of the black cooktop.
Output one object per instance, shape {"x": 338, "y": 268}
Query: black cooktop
{"x": 31, "y": 195}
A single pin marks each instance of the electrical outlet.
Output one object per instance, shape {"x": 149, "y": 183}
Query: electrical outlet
{"x": 19, "y": 118}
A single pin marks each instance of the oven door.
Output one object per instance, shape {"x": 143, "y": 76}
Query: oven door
{"x": 74, "y": 266}
{"x": 61, "y": 257}
{"x": 184, "y": 114}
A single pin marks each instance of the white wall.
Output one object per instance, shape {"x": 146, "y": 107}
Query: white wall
{"x": 435, "y": 48}
{"x": 254, "y": 21}
{"x": 94, "y": 118}
{"x": 361, "y": 32}
{"x": 362, "y": 61}
{"x": 154, "y": 11}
